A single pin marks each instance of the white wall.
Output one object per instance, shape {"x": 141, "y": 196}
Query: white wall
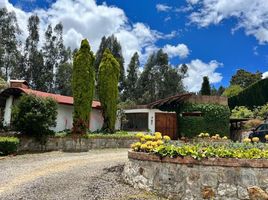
{"x": 65, "y": 118}
{"x": 151, "y": 117}
{"x": 7, "y": 111}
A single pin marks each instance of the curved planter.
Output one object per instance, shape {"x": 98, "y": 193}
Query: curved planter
{"x": 187, "y": 178}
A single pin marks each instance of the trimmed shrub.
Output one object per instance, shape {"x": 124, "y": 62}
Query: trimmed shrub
{"x": 83, "y": 87}
{"x": 33, "y": 116}
{"x": 108, "y": 89}
{"x": 242, "y": 112}
{"x": 254, "y": 95}
{"x": 214, "y": 120}
{"x": 8, "y": 145}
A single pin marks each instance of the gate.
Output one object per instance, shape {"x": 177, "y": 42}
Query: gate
{"x": 166, "y": 123}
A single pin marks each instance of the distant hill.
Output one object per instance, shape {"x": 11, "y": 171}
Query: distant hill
{"x": 254, "y": 95}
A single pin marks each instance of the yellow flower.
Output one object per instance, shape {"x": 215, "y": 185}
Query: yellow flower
{"x": 154, "y": 144}
{"x": 266, "y": 137}
{"x": 206, "y": 134}
{"x": 160, "y": 142}
{"x": 143, "y": 146}
{"x": 246, "y": 140}
{"x": 142, "y": 139}
{"x": 148, "y": 143}
{"x": 166, "y": 138}
{"x": 136, "y": 145}
{"x": 255, "y": 139}
{"x": 139, "y": 135}
{"x": 148, "y": 137}
{"x": 224, "y": 138}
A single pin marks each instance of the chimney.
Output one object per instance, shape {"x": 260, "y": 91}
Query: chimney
{"x": 19, "y": 84}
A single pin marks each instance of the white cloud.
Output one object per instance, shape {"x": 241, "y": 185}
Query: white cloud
{"x": 192, "y": 1}
{"x": 251, "y": 15}
{"x": 180, "y": 50}
{"x": 85, "y": 19}
{"x": 265, "y": 75}
{"x": 197, "y": 69}
{"x": 163, "y": 8}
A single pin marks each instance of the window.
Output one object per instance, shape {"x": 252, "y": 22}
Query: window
{"x": 136, "y": 122}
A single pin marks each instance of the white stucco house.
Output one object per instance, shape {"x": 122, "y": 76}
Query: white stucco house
{"x": 64, "y": 120}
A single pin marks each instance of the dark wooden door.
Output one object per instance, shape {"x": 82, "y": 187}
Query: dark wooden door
{"x": 166, "y": 123}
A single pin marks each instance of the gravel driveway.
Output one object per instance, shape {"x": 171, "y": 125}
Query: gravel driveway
{"x": 58, "y": 175}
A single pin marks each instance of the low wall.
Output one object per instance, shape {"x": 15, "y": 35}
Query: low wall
{"x": 186, "y": 178}
{"x": 71, "y": 144}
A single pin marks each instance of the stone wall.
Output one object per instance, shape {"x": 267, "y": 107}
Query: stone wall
{"x": 71, "y": 144}
{"x": 186, "y": 178}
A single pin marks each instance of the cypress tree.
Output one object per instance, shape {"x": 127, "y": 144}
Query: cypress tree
{"x": 108, "y": 78}
{"x": 83, "y": 87}
{"x": 205, "y": 89}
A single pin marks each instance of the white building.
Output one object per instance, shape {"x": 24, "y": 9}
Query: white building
{"x": 65, "y": 106}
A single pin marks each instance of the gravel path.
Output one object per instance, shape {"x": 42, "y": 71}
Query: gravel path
{"x": 57, "y": 175}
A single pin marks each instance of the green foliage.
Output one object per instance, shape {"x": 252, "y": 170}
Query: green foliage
{"x": 8, "y": 145}
{"x": 214, "y": 120}
{"x": 130, "y": 91}
{"x": 232, "y": 91}
{"x": 115, "y": 48}
{"x": 108, "y": 89}
{"x": 254, "y": 95}
{"x": 83, "y": 81}
{"x": 9, "y": 44}
{"x": 64, "y": 79}
{"x": 201, "y": 151}
{"x": 261, "y": 112}
{"x": 205, "y": 88}
{"x": 159, "y": 79}
{"x": 33, "y": 116}
{"x": 116, "y": 135}
{"x": 244, "y": 78}
{"x": 241, "y": 112}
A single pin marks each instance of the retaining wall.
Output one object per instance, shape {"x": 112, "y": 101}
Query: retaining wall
{"x": 186, "y": 178}
{"x": 72, "y": 144}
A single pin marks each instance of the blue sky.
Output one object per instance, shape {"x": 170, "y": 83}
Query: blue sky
{"x": 220, "y": 38}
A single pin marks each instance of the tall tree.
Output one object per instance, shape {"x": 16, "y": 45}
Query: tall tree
{"x": 9, "y": 54}
{"x": 63, "y": 84}
{"x": 244, "y": 78}
{"x": 221, "y": 90}
{"x": 205, "y": 89}
{"x": 50, "y": 58}
{"x": 34, "y": 67}
{"x": 232, "y": 91}
{"x": 130, "y": 91}
{"x": 109, "y": 72}
{"x": 115, "y": 48}
{"x": 83, "y": 87}
{"x": 159, "y": 79}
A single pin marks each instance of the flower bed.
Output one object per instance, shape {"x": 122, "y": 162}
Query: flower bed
{"x": 199, "y": 171}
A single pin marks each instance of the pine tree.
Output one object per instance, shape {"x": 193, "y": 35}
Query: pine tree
{"x": 9, "y": 54}
{"x": 205, "y": 89}
{"x": 109, "y": 72}
{"x": 83, "y": 87}
{"x": 115, "y": 48}
{"x": 130, "y": 91}
{"x": 64, "y": 79}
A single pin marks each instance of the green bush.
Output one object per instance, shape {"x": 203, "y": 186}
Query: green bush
{"x": 254, "y": 95}
{"x": 33, "y": 116}
{"x": 242, "y": 112}
{"x": 232, "y": 91}
{"x": 261, "y": 112}
{"x": 8, "y": 145}
{"x": 214, "y": 120}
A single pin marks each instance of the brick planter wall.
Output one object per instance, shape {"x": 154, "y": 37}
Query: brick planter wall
{"x": 71, "y": 144}
{"x": 186, "y": 178}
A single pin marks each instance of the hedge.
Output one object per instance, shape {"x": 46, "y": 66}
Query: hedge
{"x": 214, "y": 120}
{"x": 254, "y": 95}
{"x": 8, "y": 145}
